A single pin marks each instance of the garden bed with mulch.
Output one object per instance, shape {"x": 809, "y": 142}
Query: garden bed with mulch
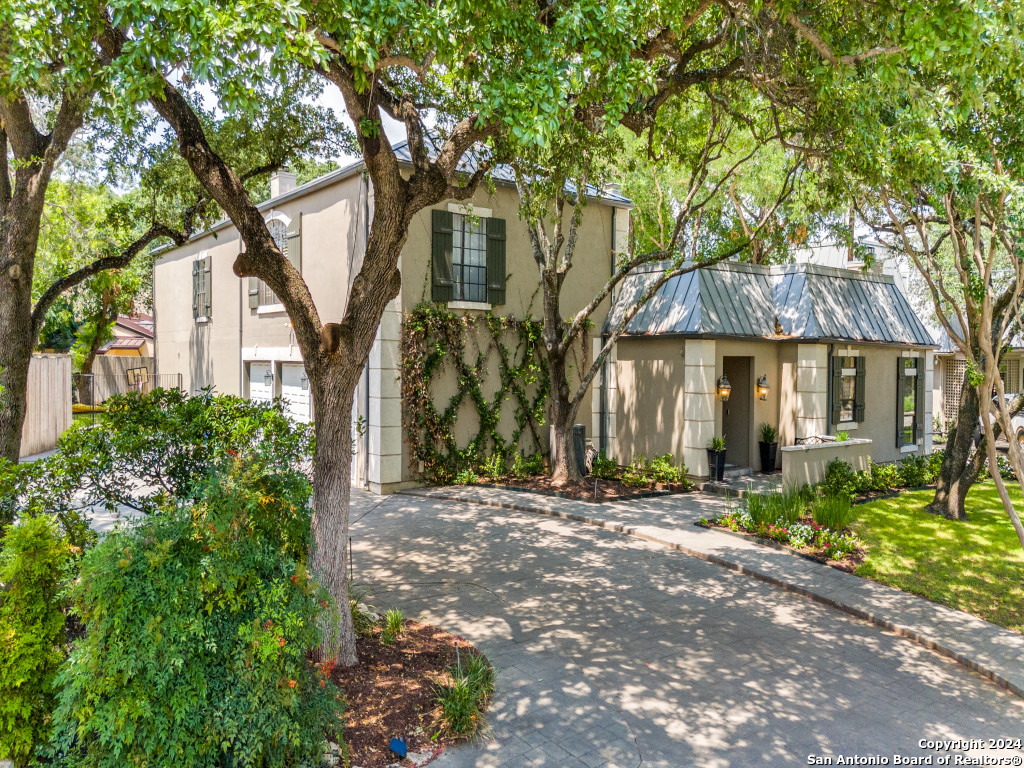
{"x": 848, "y": 563}
{"x": 606, "y": 490}
{"x": 391, "y": 693}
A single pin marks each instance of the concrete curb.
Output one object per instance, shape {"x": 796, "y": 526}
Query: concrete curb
{"x": 931, "y": 643}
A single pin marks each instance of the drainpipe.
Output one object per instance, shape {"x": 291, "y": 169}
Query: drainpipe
{"x": 366, "y": 367}
{"x": 828, "y": 389}
{"x": 606, "y": 368}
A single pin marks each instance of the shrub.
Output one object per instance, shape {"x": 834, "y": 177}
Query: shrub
{"x": 935, "y": 464}
{"x": 839, "y": 479}
{"x": 462, "y": 700}
{"x": 862, "y": 481}
{"x": 32, "y": 567}
{"x": 604, "y": 467}
{"x": 638, "y": 473}
{"x": 527, "y": 466}
{"x": 151, "y": 448}
{"x": 664, "y": 471}
{"x": 884, "y": 477}
{"x": 493, "y": 467}
{"x": 198, "y": 624}
{"x": 913, "y": 471}
{"x": 833, "y": 512}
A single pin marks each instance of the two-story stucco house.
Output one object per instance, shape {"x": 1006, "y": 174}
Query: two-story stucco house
{"x": 219, "y": 331}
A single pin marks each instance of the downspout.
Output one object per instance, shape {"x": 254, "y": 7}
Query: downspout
{"x": 605, "y": 368}
{"x": 242, "y": 299}
{"x": 366, "y": 367}
{"x": 828, "y": 388}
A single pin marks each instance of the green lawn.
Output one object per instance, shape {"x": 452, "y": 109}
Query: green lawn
{"x": 976, "y": 565}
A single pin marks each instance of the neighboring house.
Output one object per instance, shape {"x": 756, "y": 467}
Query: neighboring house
{"x": 839, "y": 351}
{"x": 218, "y": 331}
{"x": 133, "y": 337}
{"x": 950, "y": 367}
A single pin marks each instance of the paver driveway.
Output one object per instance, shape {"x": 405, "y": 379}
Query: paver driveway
{"x": 615, "y": 652}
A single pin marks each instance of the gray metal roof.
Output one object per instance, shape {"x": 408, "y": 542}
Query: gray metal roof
{"x": 743, "y": 300}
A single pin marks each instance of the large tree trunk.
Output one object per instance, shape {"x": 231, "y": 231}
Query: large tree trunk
{"x": 955, "y": 475}
{"x": 564, "y": 468}
{"x": 333, "y": 391}
{"x": 16, "y": 341}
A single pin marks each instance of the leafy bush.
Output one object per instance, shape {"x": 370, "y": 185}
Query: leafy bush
{"x": 642, "y": 472}
{"x": 527, "y": 466}
{"x": 839, "y": 479}
{"x": 604, "y": 467}
{"x": 935, "y": 464}
{"x": 913, "y": 471}
{"x": 150, "y": 448}
{"x": 466, "y": 477}
{"x": 664, "y": 471}
{"x": 833, "y": 512}
{"x": 198, "y": 624}
{"x": 884, "y": 477}
{"x": 32, "y": 567}
{"x": 462, "y": 700}
{"x": 862, "y": 481}
{"x": 638, "y": 473}
{"x": 493, "y": 467}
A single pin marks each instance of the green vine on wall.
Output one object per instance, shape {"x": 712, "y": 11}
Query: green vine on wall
{"x": 434, "y": 338}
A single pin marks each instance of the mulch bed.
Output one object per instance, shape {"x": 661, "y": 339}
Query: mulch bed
{"x": 848, "y": 564}
{"x": 390, "y": 693}
{"x": 607, "y": 490}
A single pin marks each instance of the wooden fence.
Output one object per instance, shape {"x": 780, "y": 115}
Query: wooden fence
{"x": 49, "y": 403}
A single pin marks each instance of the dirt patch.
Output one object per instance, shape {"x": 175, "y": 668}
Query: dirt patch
{"x": 390, "y": 693}
{"x": 607, "y": 490}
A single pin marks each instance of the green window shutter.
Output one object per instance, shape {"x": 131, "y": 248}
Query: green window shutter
{"x": 837, "y": 389}
{"x": 496, "y": 261}
{"x": 861, "y": 385}
{"x": 442, "y": 284}
{"x": 919, "y": 401}
{"x": 195, "y": 288}
{"x": 254, "y": 292}
{"x": 899, "y": 402}
{"x": 295, "y": 246}
{"x": 208, "y": 286}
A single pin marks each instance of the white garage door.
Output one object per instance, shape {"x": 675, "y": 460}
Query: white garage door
{"x": 259, "y": 389}
{"x": 294, "y": 392}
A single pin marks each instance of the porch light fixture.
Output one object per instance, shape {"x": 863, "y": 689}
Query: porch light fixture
{"x": 724, "y": 388}
{"x": 304, "y": 381}
{"x": 762, "y": 387}
{"x": 268, "y": 377}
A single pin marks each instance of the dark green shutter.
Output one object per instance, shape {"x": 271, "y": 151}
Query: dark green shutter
{"x": 919, "y": 401}
{"x": 295, "y": 246}
{"x": 837, "y": 389}
{"x": 442, "y": 284}
{"x": 254, "y": 292}
{"x": 899, "y": 402}
{"x": 195, "y": 288}
{"x": 208, "y": 286}
{"x": 861, "y": 385}
{"x": 496, "y": 261}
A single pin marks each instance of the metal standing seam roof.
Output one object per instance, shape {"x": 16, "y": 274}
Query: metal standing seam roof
{"x": 743, "y": 300}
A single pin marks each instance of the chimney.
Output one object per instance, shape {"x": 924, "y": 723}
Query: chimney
{"x": 613, "y": 188}
{"x": 281, "y": 182}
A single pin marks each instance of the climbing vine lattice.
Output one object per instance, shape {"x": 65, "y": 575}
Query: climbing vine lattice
{"x": 437, "y": 342}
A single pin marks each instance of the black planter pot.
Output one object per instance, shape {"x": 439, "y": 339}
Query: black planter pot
{"x": 768, "y": 453}
{"x": 716, "y": 465}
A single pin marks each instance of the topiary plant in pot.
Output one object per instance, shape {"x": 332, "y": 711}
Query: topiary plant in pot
{"x": 716, "y": 458}
{"x": 769, "y": 446}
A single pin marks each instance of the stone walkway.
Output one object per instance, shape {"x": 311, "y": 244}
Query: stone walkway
{"x": 612, "y": 650}
{"x": 992, "y": 651}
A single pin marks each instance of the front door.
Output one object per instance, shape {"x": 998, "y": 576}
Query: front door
{"x": 738, "y": 410}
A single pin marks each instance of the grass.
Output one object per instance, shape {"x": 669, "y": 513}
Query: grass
{"x": 975, "y": 565}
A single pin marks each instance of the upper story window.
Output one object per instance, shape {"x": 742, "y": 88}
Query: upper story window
{"x": 202, "y": 293}
{"x": 467, "y": 258}
{"x": 290, "y": 243}
{"x": 848, "y": 385}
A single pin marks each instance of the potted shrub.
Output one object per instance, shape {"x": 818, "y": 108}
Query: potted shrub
{"x": 769, "y": 446}
{"x": 716, "y": 458}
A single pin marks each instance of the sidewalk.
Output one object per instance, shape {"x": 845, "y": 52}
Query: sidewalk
{"x": 992, "y": 651}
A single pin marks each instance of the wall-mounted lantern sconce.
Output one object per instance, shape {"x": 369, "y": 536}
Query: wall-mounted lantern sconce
{"x": 304, "y": 381}
{"x": 762, "y": 387}
{"x": 268, "y": 377}
{"x": 724, "y": 388}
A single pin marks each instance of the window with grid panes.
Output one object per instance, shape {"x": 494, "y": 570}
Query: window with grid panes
{"x": 278, "y": 231}
{"x": 469, "y": 257}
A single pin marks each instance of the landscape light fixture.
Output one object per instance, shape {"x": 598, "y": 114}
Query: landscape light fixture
{"x": 763, "y": 387}
{"x": 724, "y": 388}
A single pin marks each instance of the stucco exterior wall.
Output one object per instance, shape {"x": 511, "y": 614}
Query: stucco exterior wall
{"x": 649, "y": 414}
